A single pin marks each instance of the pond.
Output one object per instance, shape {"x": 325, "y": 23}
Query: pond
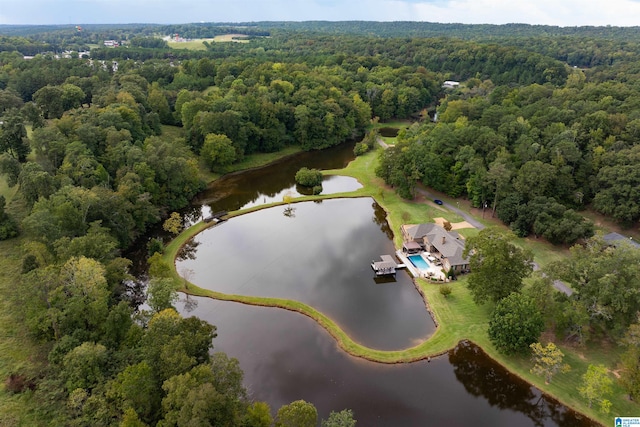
{"x": 319, "y": 254}
{"x": 389, "y": 132}
{"x": 269, "y": 184}
{"x": 231, "y": 198}
{"x": 287, "y": 356}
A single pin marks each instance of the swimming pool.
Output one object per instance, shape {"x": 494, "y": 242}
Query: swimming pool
{"x": 419, "y": 262}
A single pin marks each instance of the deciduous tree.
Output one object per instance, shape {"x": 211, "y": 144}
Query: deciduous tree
{"x": 173, "y": 224}
{"x": 309, "y": 177}
{"x": 297, "y": 414}
{"x": 497, "y": 265}
{"x": 161, "y": 294}
{"x": 343, "y": 418}
{"x": 515, "y": 324}
{"x": 596, "y": 386}
{"x": 630, "y": 360}
{"x": 258, "y": 415}
{"x": 607, "y": 281}
{"x": 13, "y": 137}
{"x": 547, "y": 361}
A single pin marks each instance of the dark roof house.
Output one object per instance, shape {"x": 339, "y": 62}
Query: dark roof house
{"x": 433, "y": 238}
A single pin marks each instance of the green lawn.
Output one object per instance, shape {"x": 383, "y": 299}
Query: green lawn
{"x": 172, "y": 132}
{"x": 18, "y": 352}
{"x": 5, "y": 191}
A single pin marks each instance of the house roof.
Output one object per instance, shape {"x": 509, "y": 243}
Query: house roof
{"x": 612, "y": 238}
{"x": 447, "y": 243}
{"x": 387, "y": 262}
{"x": 411, "y": 245}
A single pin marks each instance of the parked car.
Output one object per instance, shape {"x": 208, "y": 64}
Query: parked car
{"x": 438, "y": 202}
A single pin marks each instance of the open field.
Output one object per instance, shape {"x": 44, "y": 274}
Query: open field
{"x": 197, "y": 44}
{"x": 238, "y": 38}
{"x": 18, "y": 351}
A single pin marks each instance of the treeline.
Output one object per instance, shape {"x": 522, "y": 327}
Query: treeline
{"x": 212, "y": 29}
{"x": 23, "y": 45}
{"x": 380, "y": 29}
{"x": 452, "y": 30}
{"x": 577, "y": 46}
{"x": 456, "y": 59}
{"x": 533, "y": 155}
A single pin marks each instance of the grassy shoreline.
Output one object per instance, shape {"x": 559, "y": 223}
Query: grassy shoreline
{"x": 457, "y": 318}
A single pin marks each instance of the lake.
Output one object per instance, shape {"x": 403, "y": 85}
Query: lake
{"x": 287, "y": 356}
{"x": 319, "y": 254}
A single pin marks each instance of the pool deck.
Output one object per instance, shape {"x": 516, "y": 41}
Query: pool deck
{"x": 434, "y": 271}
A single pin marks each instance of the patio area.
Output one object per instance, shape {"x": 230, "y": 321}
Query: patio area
{"x": 433, "y": 271}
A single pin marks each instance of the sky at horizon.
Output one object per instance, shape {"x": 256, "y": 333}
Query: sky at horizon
{"x": 566, "y": 13}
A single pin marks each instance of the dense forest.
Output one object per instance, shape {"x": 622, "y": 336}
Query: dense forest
{"x": 544, "y": 124}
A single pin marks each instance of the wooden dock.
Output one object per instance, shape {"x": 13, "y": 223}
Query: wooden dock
{"x": 217, "y": 217}
{"x": 387, "y": 266}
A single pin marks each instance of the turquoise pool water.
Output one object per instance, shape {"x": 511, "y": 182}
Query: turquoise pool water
{"x": 419, "y": 262}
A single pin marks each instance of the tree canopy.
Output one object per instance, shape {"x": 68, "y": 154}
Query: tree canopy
{"x": 497, "y": 265}
{"x": 515, "y": 324}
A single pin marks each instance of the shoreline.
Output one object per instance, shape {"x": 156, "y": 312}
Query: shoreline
{"x": 440, "y": 342}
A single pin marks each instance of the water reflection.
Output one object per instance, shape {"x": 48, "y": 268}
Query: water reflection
{"x": 188, "y": 250}
{"x": 287, "y": 356}
{"x": 380, "y": 218}
{"x": 484, "y": 378}
{"x": 319, "y": 254}
{"x": 271, "y": 183}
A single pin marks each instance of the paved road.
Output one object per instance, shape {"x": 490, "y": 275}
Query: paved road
{"x": 471, "y": 220}
{"x": 382, "y": 144}
{"x": 559, "y": 285}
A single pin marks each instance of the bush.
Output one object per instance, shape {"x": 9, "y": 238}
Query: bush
{"x": 8, "y": 226}
{"x": 360, "y": 148}
{"x": 29, "y": 263}
{"x": 155, "y": 245}
{"x": 309, "y": 177}
{"x": 445, "y": 291}
{"x": 317, "y": 189}
{"x": 8, "y": 230}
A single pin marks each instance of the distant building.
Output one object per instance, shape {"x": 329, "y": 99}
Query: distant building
{"x": 111, "y": 43}
{"x": 450, "y": 84}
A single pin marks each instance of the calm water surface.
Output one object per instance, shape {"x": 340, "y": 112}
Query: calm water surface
{"x": 286, "y": 356}
{"x": 319, "y": 254}
{"x": 271, "y": 183}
